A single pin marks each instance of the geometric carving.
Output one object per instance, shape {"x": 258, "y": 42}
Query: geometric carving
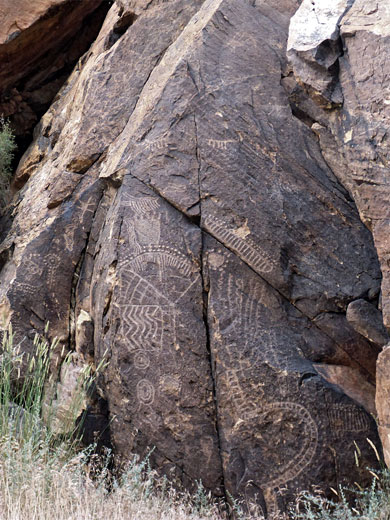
{"x": 162, "y": 256}
{"x": 157, "y": 144}
{"x": 220, "y": 144}
{"x": 141, "y": 360}
{"x": 145, "y": 392}
{"x": 291, "y": 421}
{"x": 243, "y": 310}
{"x": 348, "y": 418}
{"x": 144, "y": 326}
{"x": 308, "y": 430}
{"x": 245, "y": 248}
{"x": 140, "y": 205}
{"x": 152, "y": 280}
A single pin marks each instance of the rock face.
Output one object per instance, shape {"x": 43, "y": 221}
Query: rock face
{"x": 367, "y": 320}
{"x": 354, "y": 138}
{"x": 179, "y": 219}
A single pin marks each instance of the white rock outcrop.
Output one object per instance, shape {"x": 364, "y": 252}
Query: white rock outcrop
{"x": 314, "y": 45}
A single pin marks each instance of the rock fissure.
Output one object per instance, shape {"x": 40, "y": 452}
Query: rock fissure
{"x": 205, "y": 297}
{"x": 75, "y": 282}
{"x": 205, "y": 294}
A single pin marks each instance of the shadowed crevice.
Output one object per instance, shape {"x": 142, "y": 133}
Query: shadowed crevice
{"x": 120, "y": 29}
{"x": 36, "y": 63}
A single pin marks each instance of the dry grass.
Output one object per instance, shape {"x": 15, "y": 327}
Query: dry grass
{"x": 45, "y": 487}
{"x": 43, "y": 476}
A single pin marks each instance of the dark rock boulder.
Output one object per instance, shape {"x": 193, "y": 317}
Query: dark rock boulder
{"x": 179, "y": 219}
{"x": 366, "y": 319}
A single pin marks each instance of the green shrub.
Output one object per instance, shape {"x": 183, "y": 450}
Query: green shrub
{"x": 7, "y": 149}
{"x": 24, "y": 397}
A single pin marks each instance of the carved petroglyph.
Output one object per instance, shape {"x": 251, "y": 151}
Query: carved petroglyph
{"x": 69, "y": 241}
{"x": 89, "y": 207}
{"x": 299, "y": 416}
{"x": 245, "y": 311}
{"x": 244, "y": 409}
{"x": 249, "y": 337}
{"x": 292, "y": 420}
{"x": 141, "y": 360}
{"x": 346, "y": 418}
{"x": 246, "y": 248}
{"x": 216, "y": 259}
{"x": 144, "y": 326}
{"x": 219, "y": 144}
{"x": 156, "y": 145}
{"x": 35, "y": 270}
{"x": 163, "y": 257}
{"x": 38, "y": 286}
{"x": 143, "y": 226}
{"x": 251, "y": 416}
{"x": 140, "y": 205}
{"x": 145, "y": 392}
{"x": 41, "y": 268}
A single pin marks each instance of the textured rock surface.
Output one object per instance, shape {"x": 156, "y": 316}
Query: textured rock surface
{"x": 367, "y": 320}
{"x": 178, "y": 217}
{"x": 354, "y": 140}
{"x": 20, "y": 18}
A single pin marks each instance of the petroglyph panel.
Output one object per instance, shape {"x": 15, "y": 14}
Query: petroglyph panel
{"x": 217, "y": 138}
{"x": 153, "y": 280}
{"x": 156, "y": 334}
{"x": 158, "y": 274}
{"x": 269, "y": 413}
{"x": 39, "y": 285}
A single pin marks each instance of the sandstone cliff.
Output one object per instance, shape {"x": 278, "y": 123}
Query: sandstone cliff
{"x": 205, "y": 200}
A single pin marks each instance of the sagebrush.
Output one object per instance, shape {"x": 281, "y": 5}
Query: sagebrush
{"x": 7, "y": 151}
